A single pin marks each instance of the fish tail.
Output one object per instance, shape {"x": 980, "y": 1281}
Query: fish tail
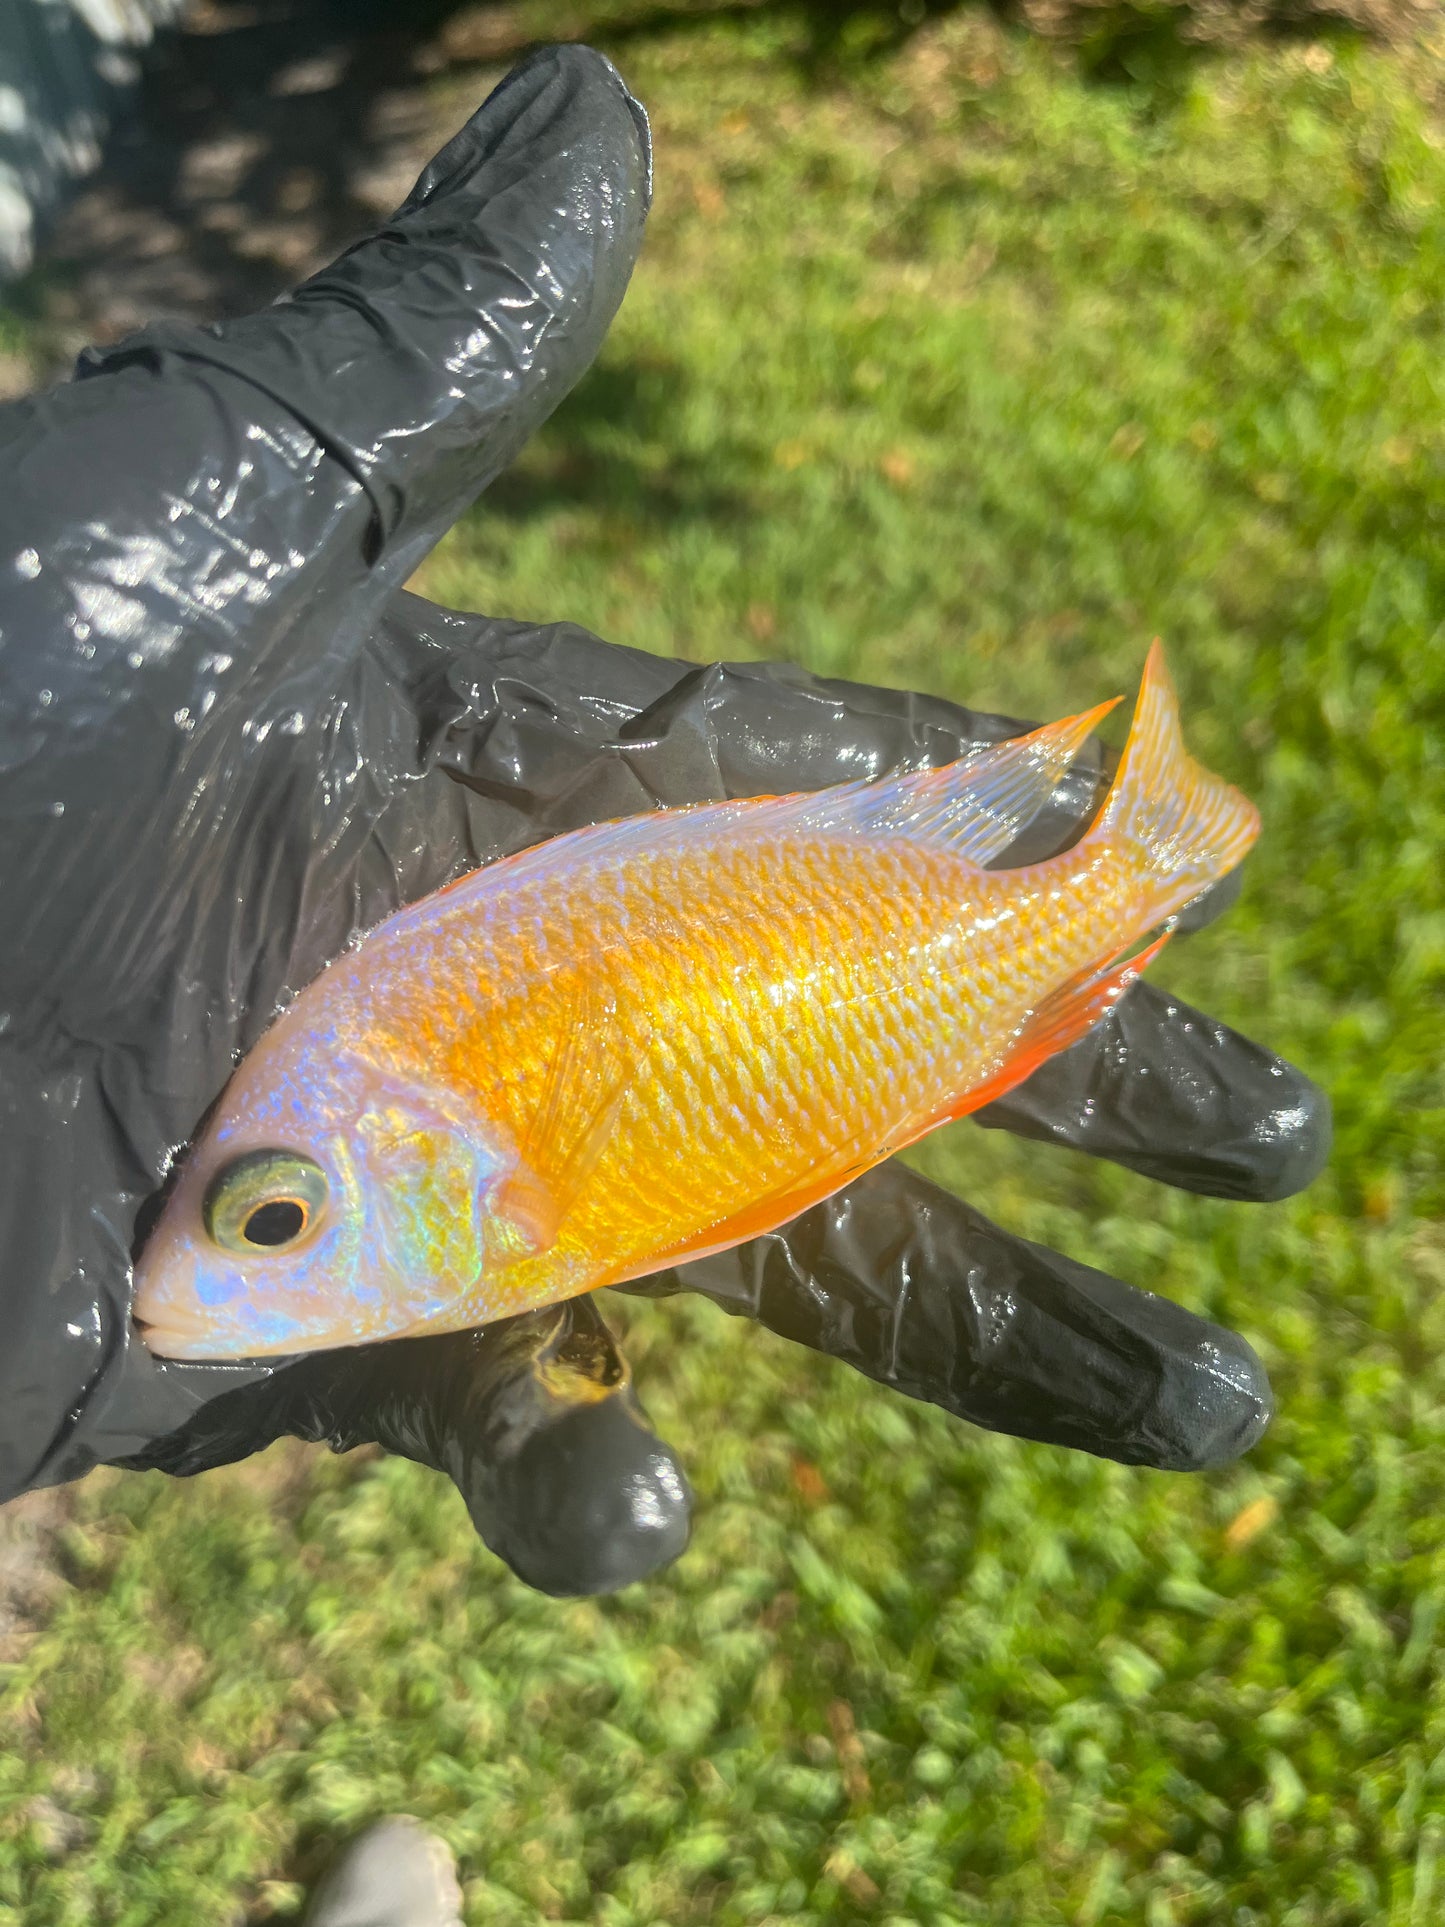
{"x": 1183, "y": 826}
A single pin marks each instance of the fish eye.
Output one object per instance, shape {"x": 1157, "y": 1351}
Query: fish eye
{"x": 265, "y": 1201}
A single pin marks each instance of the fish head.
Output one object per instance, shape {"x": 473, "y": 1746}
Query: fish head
{"x": 329, "y": 1202}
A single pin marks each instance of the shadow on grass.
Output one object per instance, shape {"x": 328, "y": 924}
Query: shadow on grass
{"x": 271, "y": 134}
{"x": 567, "y": 466}
{"x": 267, "y": 137}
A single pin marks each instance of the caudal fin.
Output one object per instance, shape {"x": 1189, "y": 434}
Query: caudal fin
{"x": 1185, "y": 826}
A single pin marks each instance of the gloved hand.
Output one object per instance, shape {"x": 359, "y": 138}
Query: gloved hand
{"x": 230, "y": 741}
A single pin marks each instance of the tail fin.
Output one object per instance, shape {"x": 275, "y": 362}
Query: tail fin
{"x": 1184, "y": 826}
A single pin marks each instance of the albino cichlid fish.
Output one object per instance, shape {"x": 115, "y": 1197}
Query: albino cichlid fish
{"x": 656, "y": 1038}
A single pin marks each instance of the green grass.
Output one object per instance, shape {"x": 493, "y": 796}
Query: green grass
{"x": 16, "y": 362}
{"x": 958, "y": 372}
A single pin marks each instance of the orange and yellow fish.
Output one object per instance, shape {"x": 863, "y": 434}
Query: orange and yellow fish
{"x": 655, "y": 1038}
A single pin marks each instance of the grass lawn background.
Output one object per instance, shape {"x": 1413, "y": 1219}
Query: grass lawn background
{"x": 956, "y": 369}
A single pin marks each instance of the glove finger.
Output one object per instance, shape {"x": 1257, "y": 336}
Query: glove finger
{"x": 567, "y": 725}
{"x": 919, "y": 1291}
{"x": 558, "y": 729}
{"x": 1166, "y": 1091}
{"x": 547, "y": 728}
{"x": 534, "y": 1419}
{"x": 195, "y": 539}
{"x": 422, "y": 358}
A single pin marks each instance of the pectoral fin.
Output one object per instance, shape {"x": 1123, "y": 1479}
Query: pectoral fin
{"x": 582, "y": 1090}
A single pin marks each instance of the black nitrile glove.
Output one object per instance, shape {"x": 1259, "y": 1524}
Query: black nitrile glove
{"x": 229, "y": 741}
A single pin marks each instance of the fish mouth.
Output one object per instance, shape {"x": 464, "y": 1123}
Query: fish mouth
{"x": 166, "y": 1339}
{"x": 195, "y": 1341}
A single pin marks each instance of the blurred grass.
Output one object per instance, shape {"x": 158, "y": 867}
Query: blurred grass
{"x": 960, "y": 372}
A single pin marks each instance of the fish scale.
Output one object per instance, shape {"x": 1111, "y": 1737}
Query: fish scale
{"x": 842, "y": 1058}
{"x": 852, "y": 1056}
{"x": 651, "y": 1039}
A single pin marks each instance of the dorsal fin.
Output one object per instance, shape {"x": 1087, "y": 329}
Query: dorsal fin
{"x": 974, "y": 807}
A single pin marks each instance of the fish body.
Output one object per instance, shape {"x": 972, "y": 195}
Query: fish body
{"x": 649, "y": 1040}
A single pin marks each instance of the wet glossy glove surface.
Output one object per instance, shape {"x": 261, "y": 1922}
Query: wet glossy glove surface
{"x": 229, "y": 742}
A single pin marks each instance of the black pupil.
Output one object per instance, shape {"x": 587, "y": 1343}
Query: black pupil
{"x": 276, "y": 1223}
